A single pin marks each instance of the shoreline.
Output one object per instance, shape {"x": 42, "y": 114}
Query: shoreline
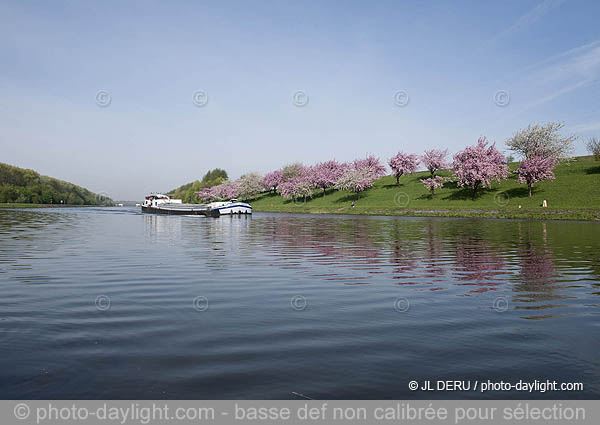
{"x": 299, "y": 208}
{"x": 23, "y": 205}
{"x": 572, "y": 195}
{"x": 563, "y": 215}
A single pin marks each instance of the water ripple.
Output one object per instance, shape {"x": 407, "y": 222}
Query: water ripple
{"x": 478, "y": 292}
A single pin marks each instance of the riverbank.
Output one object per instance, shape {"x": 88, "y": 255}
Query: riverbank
{"x": 573, "y": 195}
{"x": 23, "y": 205}
{"x": 505, "y": 214}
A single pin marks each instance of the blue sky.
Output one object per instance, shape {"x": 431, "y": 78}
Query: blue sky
{"x": 350, "y": 58}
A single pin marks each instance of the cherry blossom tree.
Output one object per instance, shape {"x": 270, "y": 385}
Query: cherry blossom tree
{"x": 206, "y": 194}
{"x": 356, "y": 179}
{"x": 543, "y": 140}
{"x": 223, "y": 191}
{"x": 435, "y": 159}
{"x": 228, "y": 190}
{"x": 272, "y": 180}
{"x": 535, "y": 169}
{"x": 249, "y": 185}
{"x": 433, "y": 183}
{"x": 370, "y": 165}
{"x": 296, "y": 187}
{"x": 304, "y": 189}
{"x": 287, "y": 189}
{"x": 476, "y": 166}
{"x": 297, "y": 182}
{"x": 292, "y": 171}
{"x": 324, "y": 174}
{"x": 402, "y": 164}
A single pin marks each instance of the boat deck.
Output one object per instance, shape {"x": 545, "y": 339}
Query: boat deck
{"x": 193, "y": 207}
{"x": 182, "y": 209}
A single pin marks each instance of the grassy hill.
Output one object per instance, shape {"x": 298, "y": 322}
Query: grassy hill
{"x": 23, "y": 187}
{"x": 574, "y": 194}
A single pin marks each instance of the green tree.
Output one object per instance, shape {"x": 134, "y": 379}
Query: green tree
{"x": 27, "y": 186}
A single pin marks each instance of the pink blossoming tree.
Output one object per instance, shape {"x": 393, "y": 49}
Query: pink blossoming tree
{"x": 249, "y": 185}
{"x": 476, "y": 166}
{"x": 292, "y": 171}
{"x": 297, "y": 182}
{"x": 325, "y": 174}
{"x": 297, "y": 187}
{"x": 223, "y": 191}
{"x": 402, "y": 164}
{"x": 272, "y": 180}
{"x": 535, "y": 169}
{"x": 433, "y": 183}
{"x": 370, "y": 165}
{"x": 435, "y": 159}
{"x": 206, "y": 194}
{"x": 355, "y": 179}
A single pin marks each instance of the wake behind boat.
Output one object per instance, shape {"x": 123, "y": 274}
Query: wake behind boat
{"x": 158, "y": 203}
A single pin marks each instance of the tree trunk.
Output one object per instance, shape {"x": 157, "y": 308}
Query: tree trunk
{"x": 475, "y": 190}
{"x": 431, "y": 193}
{"x": 529, "y": 190}
{"x": 398, "y": 180}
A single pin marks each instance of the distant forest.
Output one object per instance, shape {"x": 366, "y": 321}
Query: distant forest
{"x": 187, "y": 192}
{"x": 19, "y": 185}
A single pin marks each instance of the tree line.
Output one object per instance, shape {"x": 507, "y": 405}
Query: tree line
{"x": 188, "y": 193}
{"x": 540, "y": 147}
{"x": 19, "y": 185}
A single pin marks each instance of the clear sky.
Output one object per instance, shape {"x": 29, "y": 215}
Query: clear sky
{"x": 350, "y": 58}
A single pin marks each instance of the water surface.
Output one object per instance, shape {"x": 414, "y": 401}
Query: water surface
{"x": 110, "y": 303}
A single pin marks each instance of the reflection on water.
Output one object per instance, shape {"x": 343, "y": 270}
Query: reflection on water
{"x": 434, "y": 254}
{"x": 251, "y": 344}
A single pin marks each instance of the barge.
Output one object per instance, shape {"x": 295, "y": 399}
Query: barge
{"x": 157, "y": 203}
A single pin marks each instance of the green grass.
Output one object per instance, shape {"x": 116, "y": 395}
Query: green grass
{"x": 574, "y": 194}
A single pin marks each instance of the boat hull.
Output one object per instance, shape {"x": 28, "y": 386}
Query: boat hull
{"x": 208, "y": 212}
{"x": 234, "y": 209}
